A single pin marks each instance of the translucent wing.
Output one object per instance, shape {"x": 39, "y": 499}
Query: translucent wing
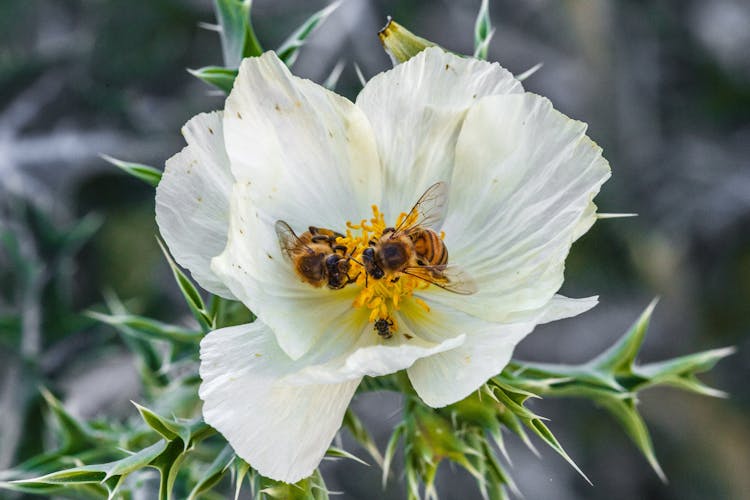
{"x": 429, "y": 210}
{"x": 449, "y": 277}
{"x": 288, "y": 240}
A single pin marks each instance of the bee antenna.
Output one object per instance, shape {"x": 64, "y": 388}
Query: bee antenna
{"x": 355, "y": 261}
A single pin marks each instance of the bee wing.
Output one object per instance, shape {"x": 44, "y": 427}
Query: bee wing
{"x": 448, "y": 277}
{"x": 288, "y": 239}
{"x": 429, "y": 210}
{"x": 323, "y": 231}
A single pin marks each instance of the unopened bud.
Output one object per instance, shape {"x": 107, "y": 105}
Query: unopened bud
{"x": 400, "y": 43}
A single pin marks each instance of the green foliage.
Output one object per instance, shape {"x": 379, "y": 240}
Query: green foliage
{"x": 289, "y": 50}
{"x": 469, "y": 433}
{"x": 483, "y": 31}
{"x": 147, "y": 174}
{"x": 189, "y": 292}
{"x": 238, "y": 38}
{"x": 222, "y": 78}
{"x": 37, "y": 314}
{"x": 238, "y": 41}
{"x": 613, "y": 379}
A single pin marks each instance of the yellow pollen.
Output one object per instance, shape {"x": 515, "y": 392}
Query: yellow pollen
{"x": 384, "y": 296}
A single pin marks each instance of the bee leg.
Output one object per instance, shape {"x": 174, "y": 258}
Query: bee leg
{"x": 394, "y": 280}
{"x": 340, "y": 248}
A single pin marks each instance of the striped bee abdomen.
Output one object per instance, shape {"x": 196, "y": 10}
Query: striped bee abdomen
{"x": 429, "y": 247}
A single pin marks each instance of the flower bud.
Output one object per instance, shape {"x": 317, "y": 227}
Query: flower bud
{"x": 400, "y": 43}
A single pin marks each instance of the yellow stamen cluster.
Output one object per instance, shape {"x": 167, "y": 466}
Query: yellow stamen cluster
{"x": 385, "y": 295}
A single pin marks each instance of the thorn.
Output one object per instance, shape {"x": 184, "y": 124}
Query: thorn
{"x": 614, "y": 216}
{"x": 360, "y": 75}
{"x": 523, "y": 76}
{"x": 210, "y": 27}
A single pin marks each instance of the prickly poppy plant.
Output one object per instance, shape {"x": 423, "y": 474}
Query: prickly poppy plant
{"x": 407, "y": 240}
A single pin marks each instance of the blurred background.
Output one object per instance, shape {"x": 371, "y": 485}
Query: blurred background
{"x": 664, "y": 87}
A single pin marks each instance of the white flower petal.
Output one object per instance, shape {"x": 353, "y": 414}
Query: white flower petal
{"x": 416, "y": 110}
{"x": 192, "y": 200}
{"x": 374, "y": 357}
{"x": 281, "y": 430}
{"x": 520, "y": 195}
{"x": 561, "y": 307}
{"x": 260, "y": 275}
{"x": 308, "y": 154}
{"x": 450, "y": 376}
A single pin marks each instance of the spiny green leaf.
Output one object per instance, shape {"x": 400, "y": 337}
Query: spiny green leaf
{"x": 627, "y": 414}
{"x": 214, "y": 473}
{"x": 335, "y": 452}
{"x": 498, "y": 476}
{"x": 620, "y": 357}
{"x": 168, "y": 429}
{"x": 541, "y": 430}
{"x": 683, "y": 366}
{"x": 513, "y": 423}
{"x": 168, "y": 463}
{"x": 241, "y": 470}
{"x": 513, "y": 401}
{"x": 482, "y": 31}
{"x": 189, "y": 291}
{"x": 147, "y": 174}
{"x": 362, "y": 436}
{"x": 289, "y": 50}
{"x": 137, "y": 460}
{"x": 75, "y": 435}
{"x": 412, "y": 481}
{"x": 148, "y": 328}
{"x": 76, "y": 492}
{"x": 150, "y": 361}
{"x": 97, "y": 473}
{"x": 113, "y": 485}
{"x": 390, "y": 451}
{"x": 219, "y": 77}
{"x": 30, "y": 487}
{"x": 238, "y": 38}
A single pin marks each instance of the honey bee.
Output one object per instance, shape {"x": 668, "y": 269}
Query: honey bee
{"x": 316, "y": 257}
{"x": 414, "y": 248}
{"x": 383, "y": 327}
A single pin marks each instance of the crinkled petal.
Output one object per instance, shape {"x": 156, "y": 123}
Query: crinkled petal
{"x": 192, "y": 200}
{"x": 561, "y": 307}
{"x": 263, "y": 278}
{"x": 450, "y": 376}
{"x": 416, "y": 110}
{"x": 307, "y": 153}
{"x": 374, "y": 356}
{"x": 283, "y": 431}
{"x": 520, "y": 195}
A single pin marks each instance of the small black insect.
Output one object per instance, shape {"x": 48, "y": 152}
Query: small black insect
{"x": 383, "y": 327}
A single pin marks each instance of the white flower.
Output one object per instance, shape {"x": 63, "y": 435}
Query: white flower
{"x": 521, "y": 178}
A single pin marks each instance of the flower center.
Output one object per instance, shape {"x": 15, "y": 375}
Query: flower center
{"x": 381, "y": 296}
